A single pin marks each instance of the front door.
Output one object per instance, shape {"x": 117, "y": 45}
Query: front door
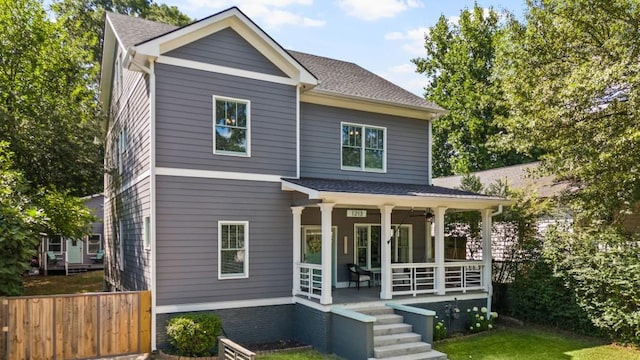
{"x": 74, "y": 251}
{"x": 312, "y": 248}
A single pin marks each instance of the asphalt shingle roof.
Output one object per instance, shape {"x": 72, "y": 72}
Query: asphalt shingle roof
{"x": 380, "y": 188}
{"x": 335, "y": 76}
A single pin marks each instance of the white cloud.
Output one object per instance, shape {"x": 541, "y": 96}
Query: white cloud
{"x": 413, "y": 40}
{"x": 373, "y": 10}
{"x": 271, "y": 13}
{"x": 404, "y": 68}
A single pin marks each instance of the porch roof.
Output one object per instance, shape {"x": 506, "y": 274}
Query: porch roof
{"x": 375, "y": 193}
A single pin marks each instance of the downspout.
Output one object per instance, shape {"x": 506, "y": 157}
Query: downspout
{"x": 152, "y": 174}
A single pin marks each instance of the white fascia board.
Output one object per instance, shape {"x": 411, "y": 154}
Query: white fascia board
{"x": 168, "y": 309}
{"x": 320, "y": 97}
{"x": 236, "y": 20}
{"x": 106, "y": 67}
{"x": 287, "y": 186}
{"x": 431, "y": 200}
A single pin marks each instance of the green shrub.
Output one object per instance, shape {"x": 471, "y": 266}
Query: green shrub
{"x": 439, "y": 330}
{"x": 194, "y": 334}
{"x": 478, "y": 320}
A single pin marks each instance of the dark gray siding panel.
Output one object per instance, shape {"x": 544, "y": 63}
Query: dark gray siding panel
{"x": 188, "y": 211}
{"x": 407, "y": 145}
{"x": 227, "y": 48}
{"x": 184, "y": 122}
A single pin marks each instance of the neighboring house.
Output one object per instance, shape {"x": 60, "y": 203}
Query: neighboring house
{"x": 58, "y": 252}
{"x": 243, "y": 178}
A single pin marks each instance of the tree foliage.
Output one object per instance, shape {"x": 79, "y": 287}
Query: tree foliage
{"x": 459, "y": 63}
{"x": 571, "y": 77}
{"x": 48, "y": 111}
{"x": 20, "y": 224}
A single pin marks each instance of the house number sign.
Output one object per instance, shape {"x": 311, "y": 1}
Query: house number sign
{"x": 357, "y": 213}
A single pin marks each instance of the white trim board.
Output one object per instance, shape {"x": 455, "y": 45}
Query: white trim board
{"x": 212, "y": 174}
{"x": 168, "y": 309}
{"x": 190, "y": 64}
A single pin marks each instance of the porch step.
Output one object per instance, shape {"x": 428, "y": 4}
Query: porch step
{"x": 428, "y": 355}
{"x": 390, "y": 329}
{"x": 375, "y": 311}
{"x": 403, "y": 338}
{"x": 388, "y": 319}
{"x": 387, "y": 351}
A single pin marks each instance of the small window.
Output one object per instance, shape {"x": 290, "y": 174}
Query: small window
{"x": 233, "y": 249}
{"x": 146, "y": 236}
{"x": 120, "y": 245}
{"x": 122, "y": 148}
{"x": 231, "y": 133}
{"x": 363, "y": 148}
{"x": 94, "y": 244}
{"x": 55, "y": 244}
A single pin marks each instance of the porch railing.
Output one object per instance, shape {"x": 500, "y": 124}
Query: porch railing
{"x": 463, "y": 276}
{"x": 309, "y": 280}
{"x": 420, "y": 278}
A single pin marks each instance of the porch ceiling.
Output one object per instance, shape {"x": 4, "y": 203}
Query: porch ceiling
{"x": 372, "y": 193}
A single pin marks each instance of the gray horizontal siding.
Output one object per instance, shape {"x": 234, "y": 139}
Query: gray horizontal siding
{"x": 226, "y": 48}
{"x": 320, "y": 131}
{"x": 184, "y": 122}
{"x": 188, "y": 211}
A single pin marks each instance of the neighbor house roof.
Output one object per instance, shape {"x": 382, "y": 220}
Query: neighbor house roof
{"x": 335, "y": 77}
{"x": 519, "y": 177}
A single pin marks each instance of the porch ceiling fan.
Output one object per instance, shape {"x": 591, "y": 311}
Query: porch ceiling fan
{"x": 427, "y": 214}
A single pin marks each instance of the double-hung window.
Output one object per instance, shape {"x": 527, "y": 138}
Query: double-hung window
{"x": 94, "y": 244}
{"x": 231, "y": 126}
{"x": 363, "y": 148}
{"x": 233, "y": 249}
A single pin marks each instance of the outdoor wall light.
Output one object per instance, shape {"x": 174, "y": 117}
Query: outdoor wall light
{"x": 345, "y": 245}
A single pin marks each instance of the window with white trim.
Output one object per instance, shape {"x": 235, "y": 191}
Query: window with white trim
{"x": 368, "y": 242}
{"x": 363, "y": 148}
{"x": 146, "y": 233}
{"x": 94, "y": 244}
{"x": 233, "y": 249}
{"x": 231, "y": 130}
{"x": 54, "y": 244}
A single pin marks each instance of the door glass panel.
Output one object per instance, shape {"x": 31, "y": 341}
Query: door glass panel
{"x": 312, "y": 250}
{"x": 376, "y": 258}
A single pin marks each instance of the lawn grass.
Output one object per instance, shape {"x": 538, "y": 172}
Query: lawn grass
{"x": 297, "y": 355}
{"x": 532, "y": 343}
{"x": 91, "y": 281}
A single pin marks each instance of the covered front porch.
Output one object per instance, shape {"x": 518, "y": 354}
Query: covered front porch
{"x": 395, "y": 231}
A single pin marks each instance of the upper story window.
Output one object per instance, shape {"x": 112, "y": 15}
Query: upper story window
{"x": 363, "y": 148}
{"x": 231, "y": 126}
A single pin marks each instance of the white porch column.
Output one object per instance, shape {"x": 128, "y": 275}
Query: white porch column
{"x": 439, "y": 248}
{"x": 326, "y": 209}
{"x": 385, "y": 237}
{"x": 486, "y": 255}
{"x": 297, "y": 245}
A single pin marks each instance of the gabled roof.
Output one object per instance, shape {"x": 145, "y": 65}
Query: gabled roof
{"x": 334, "y": 77}
{"x": 518, "y": 177}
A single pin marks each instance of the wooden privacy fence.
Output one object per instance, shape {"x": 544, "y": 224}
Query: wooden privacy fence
{"x": 78, "y": 326}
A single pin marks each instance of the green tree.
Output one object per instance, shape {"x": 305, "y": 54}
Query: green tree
{"x": 20, "y": 225}
{"x": 48, "y": 111}
{"x": 571, "y": 77}
{"x": 459, "y": 63}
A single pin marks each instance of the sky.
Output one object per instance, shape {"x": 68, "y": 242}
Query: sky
{"x": 380, "y": 35}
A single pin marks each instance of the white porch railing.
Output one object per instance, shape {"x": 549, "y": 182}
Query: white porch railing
{"x": 463, "y": 276}
{"x": 309, "y": 280}
{"x": 420, "y": 278}
{"x": 413, "y": 278}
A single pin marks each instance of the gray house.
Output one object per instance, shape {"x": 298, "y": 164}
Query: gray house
{"x": 243, "y": 178}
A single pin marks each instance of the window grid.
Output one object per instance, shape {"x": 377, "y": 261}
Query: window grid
{"x": 94, "y": 244}
{"x": 231, "y": 126}
{"x": 233, "y": 249}
{"x": 363, "y": 148}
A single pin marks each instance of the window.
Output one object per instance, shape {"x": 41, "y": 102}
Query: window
{"x": 233, "y": 249}
{"x": 368, "y": 253}
{"x": 231, "y": 127}
{"x": 122, "y": 148}
{"x": 121, "y": 245}
{"x": 146, "y": 235}
{"x": 402, "y": 244}
{"x": 55, "y": 244}
{"x": 363, "y": 148}
{"x": 94, "y": 243}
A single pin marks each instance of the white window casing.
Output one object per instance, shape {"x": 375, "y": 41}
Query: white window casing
{"x": 233, "y": 250}
{"x": 231, "y": 126}
{"x": 363, "y": 147}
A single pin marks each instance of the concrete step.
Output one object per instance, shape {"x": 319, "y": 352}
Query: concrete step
{"x": 387, "y": 351}
{"x": 388, "y": 319}
{"x": 428, "y": 355}
{"x": 390, "y": 329}
{"x": 403, "y": 338}
{"x": 373, "y": 311}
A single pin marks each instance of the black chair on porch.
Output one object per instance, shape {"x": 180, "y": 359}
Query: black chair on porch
{"x": 358, "y": 274}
